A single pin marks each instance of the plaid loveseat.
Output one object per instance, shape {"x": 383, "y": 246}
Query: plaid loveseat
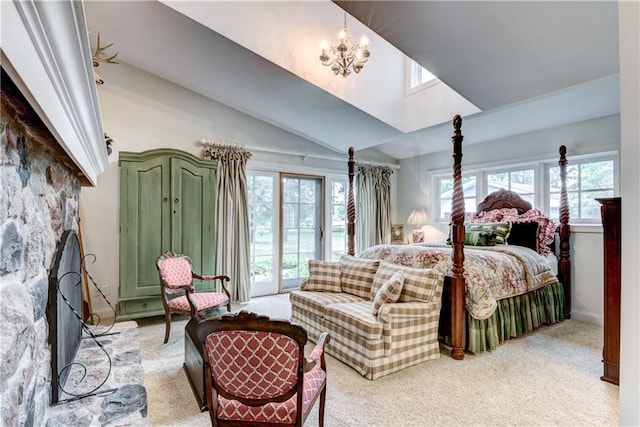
{"x": 382, "y": 317}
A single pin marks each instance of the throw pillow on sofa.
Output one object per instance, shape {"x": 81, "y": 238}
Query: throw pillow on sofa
{"x": 357, "y": 275}
{"x": 324, "y": 276}
{"x": 419, "y": 283}
{"x": 389, "y": 292}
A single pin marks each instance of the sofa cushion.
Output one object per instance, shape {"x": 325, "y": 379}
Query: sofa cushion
{"x": 389, "y": 292}
{"x": 355, "y": 317}
{"x": 324, "y": 276}
{"x": 357, "y": 275}
{"x": 315, "y": 302}
{"x": 419, "y": 283}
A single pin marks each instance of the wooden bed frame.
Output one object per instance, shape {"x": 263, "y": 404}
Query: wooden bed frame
{"x": 454, "y": 313}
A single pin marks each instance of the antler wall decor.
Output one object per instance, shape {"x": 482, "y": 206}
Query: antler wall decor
{"x": 98, "y": 59}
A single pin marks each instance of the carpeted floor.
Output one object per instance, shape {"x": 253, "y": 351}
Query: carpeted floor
{"x": 549, "y": 377}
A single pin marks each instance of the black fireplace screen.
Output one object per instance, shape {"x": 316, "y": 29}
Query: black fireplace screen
{"x": 65, "y": 302}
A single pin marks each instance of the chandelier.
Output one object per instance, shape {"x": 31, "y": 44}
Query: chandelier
{"x": 345, "y": 57}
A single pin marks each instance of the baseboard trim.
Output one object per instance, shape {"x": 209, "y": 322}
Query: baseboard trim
{"x": 585, "y": 316}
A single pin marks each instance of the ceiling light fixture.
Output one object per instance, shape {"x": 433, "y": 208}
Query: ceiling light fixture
{"x": 345, "y": 57}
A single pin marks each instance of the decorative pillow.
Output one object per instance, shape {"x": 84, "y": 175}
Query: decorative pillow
{"x": 357, "y": 275}
{"x": 324, "y": 276}
{"x": 525, "y": 234}
{"x": 389, "y": 292}
{"x": 420, "y": 284}
{"x": 546, "y": 230}
{"x": 480, "y": 238}
{"x": 500, "y": 229}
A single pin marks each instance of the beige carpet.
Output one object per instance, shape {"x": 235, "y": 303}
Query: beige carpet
{"x": 550, "y": 377}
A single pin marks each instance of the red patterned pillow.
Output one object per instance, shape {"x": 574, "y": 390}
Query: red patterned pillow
{"x": 494, "y": 215}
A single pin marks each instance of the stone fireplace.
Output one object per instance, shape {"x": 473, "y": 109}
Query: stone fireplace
{"x": 38, "y": 201}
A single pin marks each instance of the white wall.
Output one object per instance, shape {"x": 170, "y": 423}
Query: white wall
{"x": 629, "y": 27}
{"x": 142, "y": 112}
{"x": 580, "y": 138}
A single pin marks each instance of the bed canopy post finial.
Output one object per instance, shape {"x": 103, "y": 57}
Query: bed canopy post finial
{"x": 564, "y": 266}
{"x": 457, "y": 236}
{"x": 351, "y": 207}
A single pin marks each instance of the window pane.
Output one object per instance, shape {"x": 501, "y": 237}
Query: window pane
{"x": 338, "y": 238}
{"x": 290, "y": 190}
{"x": 261, "y": 240}
{"x": 470, "y": 204}
{"x": 496, "y": 181}
{"x": 528, "y": 197}
{"x": 289, "y": 215}
{"x": 307, "y": 239}
{"x": 573, "y": 206}
{"x": 339, "y": 193}
{"x": 289, "y": 240}
{"x": 596, "y": 175}
{"x": 554, "y": 179}
{"x": 572, "y": 178}
{"x": 262, "y": 269}
{"x": 262, "y": 188}
{"x": 589, "y": 207}
{"x": 307, "y": 191}
{"x": 521, "y": 182}
{"x": 526, "y": 177}
{"x": 290, "y": 266}
{"x": 307, "y": 215}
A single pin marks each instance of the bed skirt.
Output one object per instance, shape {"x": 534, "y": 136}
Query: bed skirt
{"x": 514, "y": 317}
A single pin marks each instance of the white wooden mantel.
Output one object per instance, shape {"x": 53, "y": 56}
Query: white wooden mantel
{"x": 46, "y": 52}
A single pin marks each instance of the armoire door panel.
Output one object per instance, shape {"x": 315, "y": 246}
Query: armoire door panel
{"x": 151, "y": 210}
{"x": 193, "y": 190}
{"x": 145, "y": 213}
{"x": 167, "y": 202}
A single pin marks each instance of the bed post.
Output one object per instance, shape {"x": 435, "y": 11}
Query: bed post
{"x": 564, "y": 267}
{"x": 351, "y": 208}
{"x": 457, "y": 236}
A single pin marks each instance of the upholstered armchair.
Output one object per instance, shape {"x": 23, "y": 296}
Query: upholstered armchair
{"x": 178, "y": 293}
{"x": 256, "y": 371}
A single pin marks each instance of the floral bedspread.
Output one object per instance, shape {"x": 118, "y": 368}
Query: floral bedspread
{"x": 491, "y": 273}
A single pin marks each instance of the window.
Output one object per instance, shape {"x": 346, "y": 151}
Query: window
{"x": 261, "y": 229}
{"x": 293, "y": 218}
{"x": 518, "y": 181}
{"x": 417, "y": 76}
{"x": 338, "y": 218}
{"x": 587, "y": 180}
{"x": 445, "y": 190}
{"x": 302, "y": 225}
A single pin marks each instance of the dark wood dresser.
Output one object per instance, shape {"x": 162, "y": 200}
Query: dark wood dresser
{"x": 194, "y": 365}
{"x": 611, "y": 236}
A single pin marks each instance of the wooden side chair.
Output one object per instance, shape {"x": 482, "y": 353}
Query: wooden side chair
{"x": 178, "y": 293}
{"x": 256, "y": 371}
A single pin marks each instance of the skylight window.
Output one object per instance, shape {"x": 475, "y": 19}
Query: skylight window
{"x": 418, "y": 75}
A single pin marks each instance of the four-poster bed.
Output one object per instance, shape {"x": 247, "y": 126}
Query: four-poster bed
{"x": 455, "y": 319}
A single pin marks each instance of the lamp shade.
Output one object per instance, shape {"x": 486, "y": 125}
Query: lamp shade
{"x": 418, "y": 217}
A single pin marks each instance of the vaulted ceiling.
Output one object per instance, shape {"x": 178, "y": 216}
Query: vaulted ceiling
{"x": 507, "y": 67}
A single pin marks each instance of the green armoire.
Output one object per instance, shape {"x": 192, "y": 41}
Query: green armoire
{"x": 167, "y": 202}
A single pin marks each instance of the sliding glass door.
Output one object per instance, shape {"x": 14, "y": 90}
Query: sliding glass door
{"x": 301, "y": 237}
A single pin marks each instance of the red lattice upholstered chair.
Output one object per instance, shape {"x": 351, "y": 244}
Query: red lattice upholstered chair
{"x": 256, "y": 371}
{"x": 178, "y": 293}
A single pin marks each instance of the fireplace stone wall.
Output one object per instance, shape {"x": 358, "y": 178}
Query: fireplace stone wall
{"x": 39, "y": 199}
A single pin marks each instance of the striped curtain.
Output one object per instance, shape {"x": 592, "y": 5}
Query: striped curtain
{"x": 232, "y": 218}
{"x": 373, "y": 206}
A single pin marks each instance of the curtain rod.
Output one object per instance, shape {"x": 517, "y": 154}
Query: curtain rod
{"x": 306, "y": 156}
